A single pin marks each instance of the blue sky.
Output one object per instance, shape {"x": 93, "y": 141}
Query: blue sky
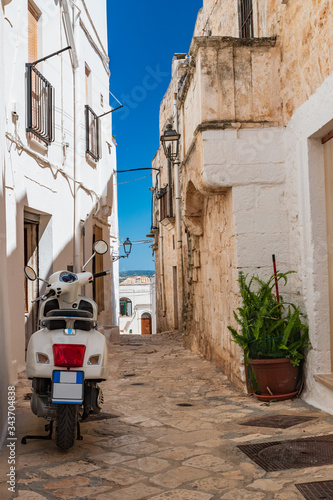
{"x": 143, "y": 36}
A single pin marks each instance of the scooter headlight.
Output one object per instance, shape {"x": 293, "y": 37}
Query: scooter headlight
{"x": 94, "y": 360}
{"x": 42, "y": 358}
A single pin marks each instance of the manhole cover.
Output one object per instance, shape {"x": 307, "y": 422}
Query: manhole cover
{"x": 277, "y": 421}
{"x": 315, "y": 491}
{"x": 296, "y": 454}
{"x": 99, "y": 416}
{"x": 184, "y": 404}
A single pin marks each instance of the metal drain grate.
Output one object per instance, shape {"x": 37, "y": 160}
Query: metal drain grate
{"x": 278, "y": 421}
{"x": 322, "y": 490}
{"x": 295, "y": 454}
{"x": 95, "y": 417}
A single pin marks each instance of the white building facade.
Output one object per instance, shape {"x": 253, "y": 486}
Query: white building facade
{"x": 137, "y": 306}
{"x": 58, "y": 158}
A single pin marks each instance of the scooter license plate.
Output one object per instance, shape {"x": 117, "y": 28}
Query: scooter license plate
{"x": 67, "y": 387}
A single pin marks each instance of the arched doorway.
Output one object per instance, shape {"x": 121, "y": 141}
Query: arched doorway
{"x": 146, "y": 324}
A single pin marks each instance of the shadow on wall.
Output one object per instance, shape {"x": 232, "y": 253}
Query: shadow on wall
{"x": 23, "y": 317}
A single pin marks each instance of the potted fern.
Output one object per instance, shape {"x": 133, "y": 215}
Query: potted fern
{"x": 272, "y": 335}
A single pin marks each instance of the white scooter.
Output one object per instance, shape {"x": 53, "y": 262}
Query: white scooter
{"x": 67, "y": 356}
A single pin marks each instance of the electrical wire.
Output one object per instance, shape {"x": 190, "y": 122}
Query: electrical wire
{"x": 44, "y": 163}
{"x": 134, "y": 180}
{"x": 135, "y": 170}
{"x": 210, "y": 15}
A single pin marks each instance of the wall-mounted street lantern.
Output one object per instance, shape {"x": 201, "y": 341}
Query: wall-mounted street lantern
{"x": 127, "y": 249}
{"x": 170, "y": 143}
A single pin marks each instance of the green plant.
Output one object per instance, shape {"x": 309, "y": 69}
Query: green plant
{"x": 269, "y": 329}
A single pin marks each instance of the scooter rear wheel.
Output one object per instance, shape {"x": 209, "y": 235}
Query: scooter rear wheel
{"x": 66, "y": 424}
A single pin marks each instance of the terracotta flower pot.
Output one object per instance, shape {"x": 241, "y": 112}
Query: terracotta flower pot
{"x": 275, "y": 377}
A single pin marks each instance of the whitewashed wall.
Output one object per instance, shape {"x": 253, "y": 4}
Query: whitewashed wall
{"x": 142, "y": 298}
{"x": 308, "y": 236}
{"x": 40, "y": 178}
{"x": 5, "y": 365}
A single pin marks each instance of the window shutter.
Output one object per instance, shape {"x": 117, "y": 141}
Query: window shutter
{"x": 33, "y": 17}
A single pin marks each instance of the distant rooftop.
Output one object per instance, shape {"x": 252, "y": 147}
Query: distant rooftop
{"x": 137, "y": 280}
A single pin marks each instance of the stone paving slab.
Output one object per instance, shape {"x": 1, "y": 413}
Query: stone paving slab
{"x": 155, "y": 449}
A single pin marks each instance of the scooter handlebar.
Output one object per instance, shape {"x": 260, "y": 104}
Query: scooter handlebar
{"x": 47, "y": 295}
{"x": 103, "y": 273}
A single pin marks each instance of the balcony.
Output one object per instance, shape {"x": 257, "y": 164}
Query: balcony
{"x": 165, "y": 197}
{"x": 231, "y": 82}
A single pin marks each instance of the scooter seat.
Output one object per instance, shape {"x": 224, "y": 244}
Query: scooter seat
{"x": 72, "y": 313}
{"x": 58, "y": 324}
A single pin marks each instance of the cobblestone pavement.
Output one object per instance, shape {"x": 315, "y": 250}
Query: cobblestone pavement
{"x": 173, "y": 436}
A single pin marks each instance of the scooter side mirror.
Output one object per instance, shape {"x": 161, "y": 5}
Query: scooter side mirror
{"x": 100, "y": 247}
{"x": 30, "y": 273}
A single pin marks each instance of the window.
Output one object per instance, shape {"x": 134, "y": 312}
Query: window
{"x": 245, "y": 12}
{"x": 93, "y": 136}
{"x": 125, "y": 307}
{"x": 88, "y": 84}
{"x": 170, "y": 189}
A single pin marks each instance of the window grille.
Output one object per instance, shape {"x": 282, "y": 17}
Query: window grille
{"x": 40, "y": 105}
{"x": 245, "y": 10}
{"x": 93, "y": 147}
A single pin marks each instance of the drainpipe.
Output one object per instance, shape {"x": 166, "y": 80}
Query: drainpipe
{"x": 176, "y": 176}
{"x": 72, "y": 37}
{"x": 77, "y": 169}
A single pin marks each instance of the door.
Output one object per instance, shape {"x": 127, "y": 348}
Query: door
{"x": 328, "y": 155}
{"x": 146, "y": 324}
{"x": 98, "y": 267}
{"x": 31, "y": 289}
{"x": 175, "y": 298}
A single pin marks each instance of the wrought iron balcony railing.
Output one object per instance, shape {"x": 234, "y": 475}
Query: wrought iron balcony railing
{"x": 40, "y": 105}
{"x": 93, "y": 134}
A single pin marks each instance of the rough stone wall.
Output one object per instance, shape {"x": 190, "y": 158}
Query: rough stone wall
{"x": 305, "y": 31}
{"x": 211, "y": 270}
{"x": 239, "y": 163}
{"x": 217, "y": 16}
{"x": 167, "y": 256}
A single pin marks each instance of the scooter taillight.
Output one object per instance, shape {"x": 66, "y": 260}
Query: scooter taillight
{"x": 69, "y": 355}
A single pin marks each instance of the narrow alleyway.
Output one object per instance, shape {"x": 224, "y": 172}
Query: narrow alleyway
{"x": 173, "y": 426}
